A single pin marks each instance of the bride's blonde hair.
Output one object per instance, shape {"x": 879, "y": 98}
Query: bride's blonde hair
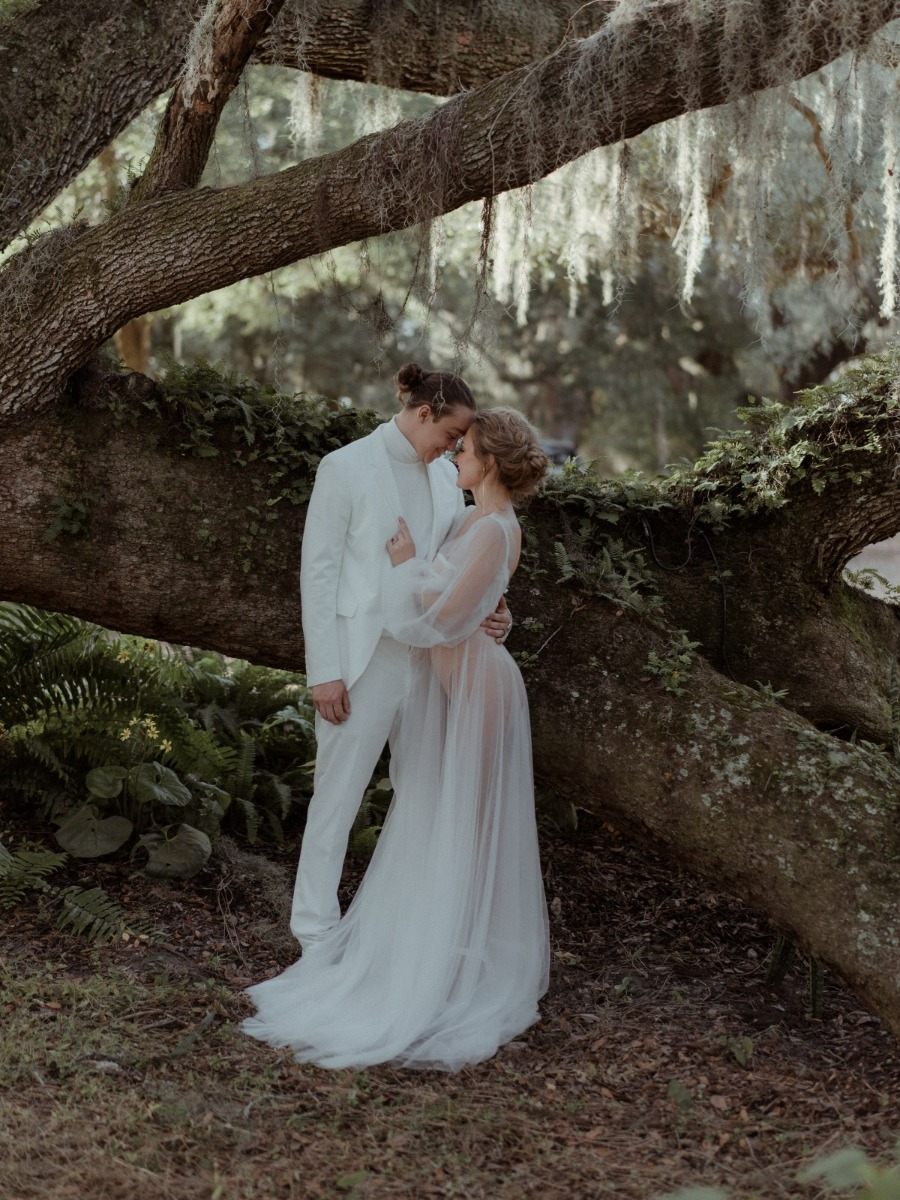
{"x": 514, "y": 444}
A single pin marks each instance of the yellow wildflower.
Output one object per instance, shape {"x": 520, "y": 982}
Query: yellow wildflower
{"x": 165, "y": 745}
{"x": 123, "y": 656}
{"x": 124, "y": 735}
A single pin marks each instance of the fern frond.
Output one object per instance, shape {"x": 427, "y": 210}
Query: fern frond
{"x": 92, "y": 913}
{"x": 241, "y": 783}
{"x": 215, "y": 716}
{"x": 271, "y": 788}
{"x": 37, "y": 749}
{"x": 251, "y": 817}
{"x": 195, "y": 750}
{"x": 24, "y": 871}
{"x": 30, "y": 634}
{"x": 275, "y": 825}
{"x": 363, "y": 818}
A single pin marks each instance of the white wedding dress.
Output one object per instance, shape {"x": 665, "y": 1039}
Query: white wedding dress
{"x": 443, "y": 953}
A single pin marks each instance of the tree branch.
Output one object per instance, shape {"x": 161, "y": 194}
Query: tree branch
{"x": 506, "y": 134}
{"x": 75, "y": 72}
{"x": 436, "y": 48}
{"x": 187, "y": 129}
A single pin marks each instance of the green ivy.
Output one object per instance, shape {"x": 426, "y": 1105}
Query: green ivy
{"x": 818, "y": 442}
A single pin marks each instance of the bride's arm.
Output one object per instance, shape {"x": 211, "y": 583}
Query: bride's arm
{"x": 441, "y": 603}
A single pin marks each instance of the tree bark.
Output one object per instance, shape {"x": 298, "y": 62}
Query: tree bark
{"x": 76, "y": 72}
{"x": 186, "y": 132}
{"x": 735, "y": 786}
{"x": 73, "y": 291}
{"x": 440, "y": 48}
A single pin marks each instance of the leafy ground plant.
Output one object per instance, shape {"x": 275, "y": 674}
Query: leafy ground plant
{"x": 88, "y": 911}
{"x": 118, "y": 740}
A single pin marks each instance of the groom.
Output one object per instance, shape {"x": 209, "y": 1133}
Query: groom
{"x": 360, "y": 677}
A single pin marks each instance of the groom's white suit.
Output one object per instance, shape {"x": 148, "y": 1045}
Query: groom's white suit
{"x": 354, "y": 509}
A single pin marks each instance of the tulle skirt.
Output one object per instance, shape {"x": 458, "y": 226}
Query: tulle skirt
{"x": 443, "y": 954}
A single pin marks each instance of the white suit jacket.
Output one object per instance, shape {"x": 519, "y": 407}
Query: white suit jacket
{"x": 353, "y": 510}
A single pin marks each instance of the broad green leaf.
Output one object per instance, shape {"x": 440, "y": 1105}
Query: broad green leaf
{"x": 153, "y": 781}
{"x": 106, "y": 782}
{"x": 87, "y": 835}
{"x": 175, "y": 855}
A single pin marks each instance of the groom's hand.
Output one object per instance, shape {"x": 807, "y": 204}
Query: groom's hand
{"x": 499, "y": 623}
{"x": 332, "y": 701}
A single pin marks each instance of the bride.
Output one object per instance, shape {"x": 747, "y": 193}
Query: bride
{"x": 443, "y": 954}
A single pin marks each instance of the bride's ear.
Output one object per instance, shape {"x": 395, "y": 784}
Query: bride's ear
{"x": 490, "y": 465}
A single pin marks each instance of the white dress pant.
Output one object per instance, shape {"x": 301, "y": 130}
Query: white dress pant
{"x": 345, "y": 759}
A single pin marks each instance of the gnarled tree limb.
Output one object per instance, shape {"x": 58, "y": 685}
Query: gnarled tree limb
{"x": 75, "y": 72}
{"x": 503, "y": 135}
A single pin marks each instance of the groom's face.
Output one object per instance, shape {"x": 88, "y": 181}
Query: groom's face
{"x": 436, "y": 437}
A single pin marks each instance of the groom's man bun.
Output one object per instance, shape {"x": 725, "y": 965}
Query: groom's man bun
{"x": 442, "y": 391}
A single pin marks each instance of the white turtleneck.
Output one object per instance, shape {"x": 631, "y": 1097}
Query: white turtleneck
{"x": 413, "y": 487}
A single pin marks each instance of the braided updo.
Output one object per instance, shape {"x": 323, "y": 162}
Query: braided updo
{"x": 513, "y": 442}
{"x": 442, "y": 391}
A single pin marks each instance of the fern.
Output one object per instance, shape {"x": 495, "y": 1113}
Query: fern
{"x": 241, "y": 781}
{"x": 251, "y": 817}
{"x": 87, "y": 911}
{"x": 92, "y": 913}
{"x": 26, "y": 871}
{"x": 74, "y": 697}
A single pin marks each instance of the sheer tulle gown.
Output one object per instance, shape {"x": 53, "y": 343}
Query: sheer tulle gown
{"x": 443, "y": 954}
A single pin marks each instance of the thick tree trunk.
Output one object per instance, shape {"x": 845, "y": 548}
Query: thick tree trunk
{"x": 741, "y": 791}
{"x": 735, "y": 786}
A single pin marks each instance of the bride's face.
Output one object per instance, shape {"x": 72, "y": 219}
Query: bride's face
{"x": 470, "y": 468}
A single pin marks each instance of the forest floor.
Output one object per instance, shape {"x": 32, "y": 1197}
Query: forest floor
{"x": 663, "y": 1060}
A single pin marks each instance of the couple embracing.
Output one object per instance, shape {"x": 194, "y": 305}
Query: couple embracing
{"x": 443, "y": 953}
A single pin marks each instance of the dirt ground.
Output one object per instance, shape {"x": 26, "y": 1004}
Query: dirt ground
{"x": 663, "y": 1061}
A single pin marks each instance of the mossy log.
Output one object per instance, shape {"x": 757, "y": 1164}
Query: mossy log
{"x": 158, "y": 514}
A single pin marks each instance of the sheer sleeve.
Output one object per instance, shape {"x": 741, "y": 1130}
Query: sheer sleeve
{"x": 442, "y": 602}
